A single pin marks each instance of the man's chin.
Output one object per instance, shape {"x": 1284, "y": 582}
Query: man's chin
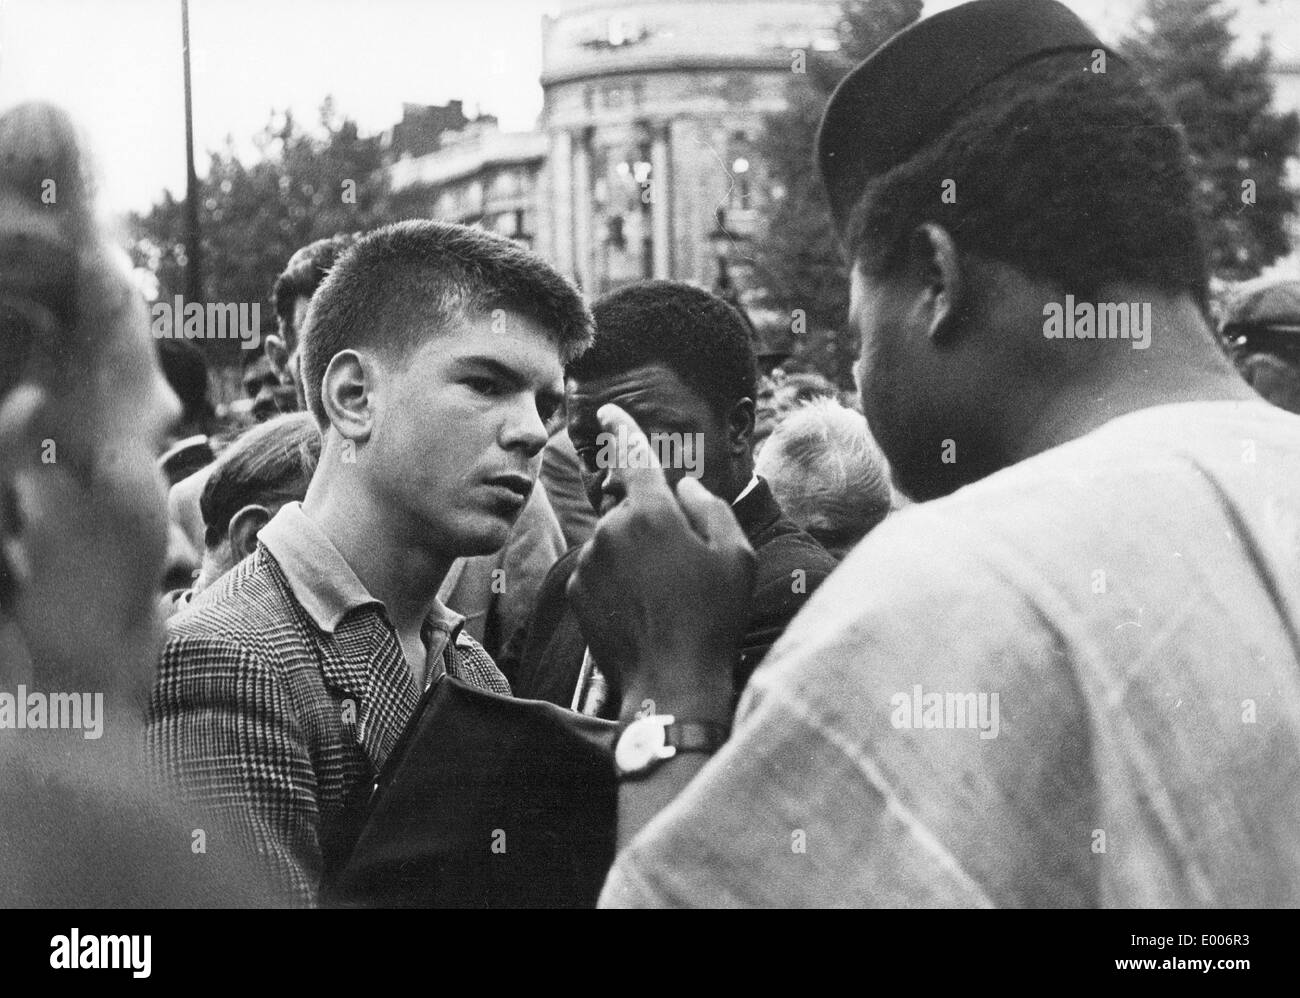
{"x": 488, "y": 537}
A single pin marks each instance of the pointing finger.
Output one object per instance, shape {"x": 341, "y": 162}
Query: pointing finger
{"x": 636, "y": 465}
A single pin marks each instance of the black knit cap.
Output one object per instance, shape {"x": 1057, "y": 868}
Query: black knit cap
{"x": 902, "y": 96}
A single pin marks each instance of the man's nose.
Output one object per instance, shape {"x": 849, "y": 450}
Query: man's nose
{"x": 264, "y": 404}
{"x": 525, "y": 430}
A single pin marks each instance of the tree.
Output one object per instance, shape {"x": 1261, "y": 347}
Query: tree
{"x": 301, "y": 187}
{"x": 1239, "y": 144}
{"x": 796, "y": 252}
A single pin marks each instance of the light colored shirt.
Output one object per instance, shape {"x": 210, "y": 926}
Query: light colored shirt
{"x": 753, "y": 484}
{"x": 1076, "y": 682}
{"x": 327, "y": 587}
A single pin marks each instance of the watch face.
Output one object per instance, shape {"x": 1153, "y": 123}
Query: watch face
{"x": 641, "y": 743}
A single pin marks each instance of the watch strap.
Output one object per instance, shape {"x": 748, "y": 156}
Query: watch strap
{"x": 696, "y": 736}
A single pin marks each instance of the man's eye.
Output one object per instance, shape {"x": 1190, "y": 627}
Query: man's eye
{"x": 484, "y": 386}
{"x": 587, "y": 455}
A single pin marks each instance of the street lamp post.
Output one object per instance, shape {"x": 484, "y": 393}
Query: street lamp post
{"x": 721, "y": 240}
{"x": 193, "y": 249}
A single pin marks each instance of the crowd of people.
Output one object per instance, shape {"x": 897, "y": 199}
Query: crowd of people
{"x": 1016, "y": 624}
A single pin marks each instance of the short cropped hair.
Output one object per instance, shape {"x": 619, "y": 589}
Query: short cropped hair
{"x": 828, "y": 473}
{"x": 270, "y": 465}
{"x": 696, "y": 335}
{"x": 306, "y": 271}
{"x": 398, "y": 282}
{"x": 1074, "y": 177}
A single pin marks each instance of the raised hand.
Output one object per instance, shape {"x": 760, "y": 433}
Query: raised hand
{"x": 662, "y": 589}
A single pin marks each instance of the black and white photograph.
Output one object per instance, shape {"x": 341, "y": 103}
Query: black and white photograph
{"x": 571, "y": 454}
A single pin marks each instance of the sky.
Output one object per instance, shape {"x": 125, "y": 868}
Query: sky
{"x": 116, "y": 66}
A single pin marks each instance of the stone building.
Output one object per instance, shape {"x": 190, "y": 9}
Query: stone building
{"x": 650, "y": 111}
{"x": 457, "y": 169}
{"x": 478, "y": 175}
{"x": 642, "y": 164}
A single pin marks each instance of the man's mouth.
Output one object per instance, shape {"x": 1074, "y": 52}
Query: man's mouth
{"x": 520, "y": 485}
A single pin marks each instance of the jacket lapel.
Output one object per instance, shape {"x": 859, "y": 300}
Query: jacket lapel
{"x": 363, "y": 659}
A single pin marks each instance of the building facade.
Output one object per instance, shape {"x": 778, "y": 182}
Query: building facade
{"x": 642, "y": 165}
{"x": 650, "y": 112}
{"x": 479, "y": 175}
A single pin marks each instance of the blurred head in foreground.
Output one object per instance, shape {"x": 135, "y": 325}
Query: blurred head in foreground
{"x": 84, "y": 413}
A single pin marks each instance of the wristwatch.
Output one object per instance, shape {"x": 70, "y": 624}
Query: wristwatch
{"x": 647, "y": 741}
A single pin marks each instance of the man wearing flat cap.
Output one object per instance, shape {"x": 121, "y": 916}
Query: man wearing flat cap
{"x": 1067, "y": 676}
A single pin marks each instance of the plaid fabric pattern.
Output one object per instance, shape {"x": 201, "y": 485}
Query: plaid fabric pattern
{"x": 471, "y": 664}
{"x": 269, "y": 723}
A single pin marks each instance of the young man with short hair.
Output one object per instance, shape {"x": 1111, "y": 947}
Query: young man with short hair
{"x": 432, "y": 359}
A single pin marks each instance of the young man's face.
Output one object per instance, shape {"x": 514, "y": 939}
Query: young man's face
{"x": 458, "y": 426}
{"x": 661, "y": 403}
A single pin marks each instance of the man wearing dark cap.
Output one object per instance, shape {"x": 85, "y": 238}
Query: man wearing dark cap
{"x": 1070, "y": 677}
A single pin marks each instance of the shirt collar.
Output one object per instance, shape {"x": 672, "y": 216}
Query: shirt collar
{"x": 321, "y": 580}
{"x": 753, "y": 484}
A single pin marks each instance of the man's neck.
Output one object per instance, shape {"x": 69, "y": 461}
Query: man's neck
{"x": 386, "y": 554}
{"x": 1181, "y": 365}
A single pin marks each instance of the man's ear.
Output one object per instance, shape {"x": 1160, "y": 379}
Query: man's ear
{"x": 346, "y": 394}
{"x": 243, "y": 529}
{"x": 277, "y": 352}
{"x": 740, "y": 425}
{"x": 936, "y": 265}
{"x": 23, "y": 448}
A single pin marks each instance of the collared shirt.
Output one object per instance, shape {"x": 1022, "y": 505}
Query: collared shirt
{"x": 1072, "y": 683}
{"x": 328, "y": 589}
{"x": 753, "y": 484}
